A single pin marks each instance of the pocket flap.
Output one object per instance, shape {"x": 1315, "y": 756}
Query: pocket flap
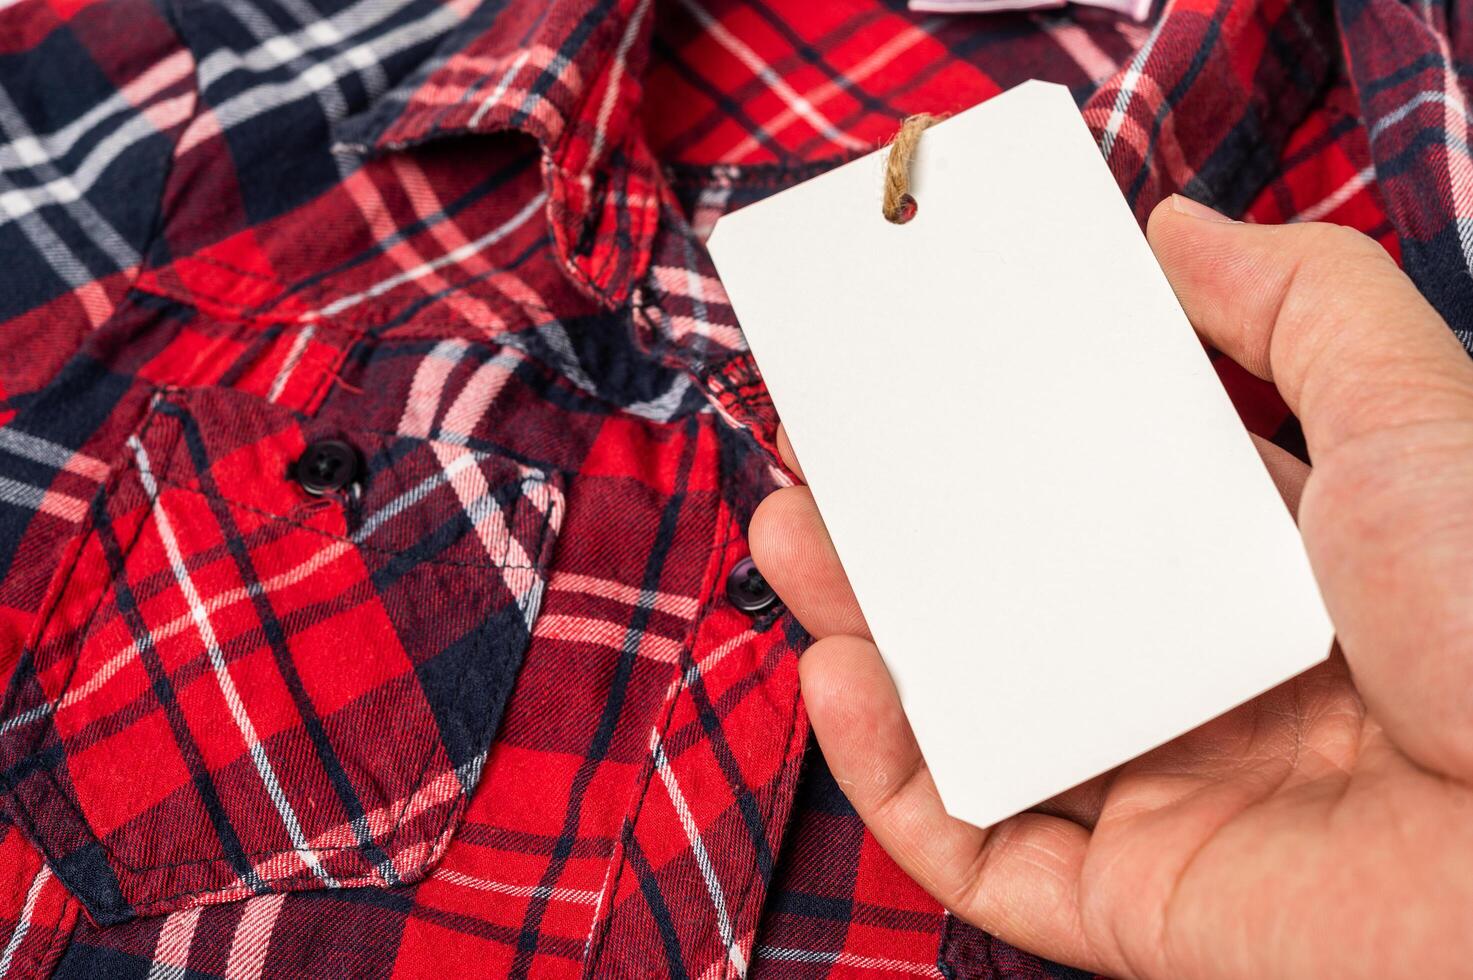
{"x": 240, "y": 687}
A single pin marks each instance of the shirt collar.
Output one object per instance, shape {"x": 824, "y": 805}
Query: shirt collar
{"x": 569, "y": 73}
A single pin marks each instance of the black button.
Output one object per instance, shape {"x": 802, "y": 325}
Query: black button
{"x": 325, "y": 466}
{"x": 747, "y": 589}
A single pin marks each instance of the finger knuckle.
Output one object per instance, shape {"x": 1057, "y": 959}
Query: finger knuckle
{"x": 1337, "y": 274}
{"x": 1336, "y": 249}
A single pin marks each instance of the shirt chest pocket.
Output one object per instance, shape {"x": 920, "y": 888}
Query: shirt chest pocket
{"x": 274, "y": 659}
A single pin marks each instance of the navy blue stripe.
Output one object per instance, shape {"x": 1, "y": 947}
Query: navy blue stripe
{"x": 814, "y": 906}
{"x": 730, "y": 768}
{"x": 1431, "y": 61}
{"x": 1411, "y": 155}
{"x": 659, "y": 911}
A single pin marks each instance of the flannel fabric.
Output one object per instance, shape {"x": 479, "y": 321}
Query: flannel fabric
{"x": 486, "y": 709}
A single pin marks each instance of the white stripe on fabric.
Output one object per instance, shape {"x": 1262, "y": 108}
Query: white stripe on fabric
{"x": 319, "y": 560}
{"x": 479, "y": 506}
{"x": 216, "y": 655}
{"x": 577, "y": 896}
{"x": 1123, "y": 96}
{"x": 313, "y": 566}
{"x": 851, "y": 960}
{"x": 322, "y": 31}
{"x": 450, "y": 236}
{"x": 710, "y": 206}
{"x": 683, "y": 606}
{"x": 608, "y": 634}
{"x": 58, "y": 256}
{"x": 329, "y": 96}
{"x": 430, "y": 376}
{"x": 26, "y": 717}
{"x": 555, "y": 336}
{"x": 252, "y": 939}
{"x": 65, "y": 189}
{"x": 695, "y": 290}
{"x": 69, "y": 190}
{"x": 23, "y": 924}
{"x": 523, "y": 581}
{"x": 494, "y": 99}
{"x": 672, "y": 280}
{"x": 706, "y": 663}
{"x": 423, "y": 400}
{"x": 1407, "y": 108}
{"x": 1341, "y": 194}
{"x": 479, "y": 393}
{"x": 459, "y": 471}
{"x": 698, "y": 849}
{"x": 293, "y": 357}
{"x": 34, "y": 499}
{"x": 21, "y": 205}
{"x": 434, "y": 791}
{"x": 318, "y": 32}
{"x": 52, "y": 454}
{"x": 171, "y": 952}
{"x": 662, "y": 408}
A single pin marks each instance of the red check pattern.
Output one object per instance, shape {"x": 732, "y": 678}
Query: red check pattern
{"x": 485, "y": 708}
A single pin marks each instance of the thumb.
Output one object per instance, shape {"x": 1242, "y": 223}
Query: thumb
{"x": 1385, "y": 395}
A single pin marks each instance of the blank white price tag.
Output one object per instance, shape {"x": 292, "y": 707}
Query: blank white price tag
{"x": 1062, "y": 537}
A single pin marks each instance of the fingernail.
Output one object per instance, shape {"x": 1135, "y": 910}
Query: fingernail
{"x": 1193, "y": 209}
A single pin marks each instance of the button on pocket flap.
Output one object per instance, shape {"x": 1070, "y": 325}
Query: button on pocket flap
{"x": 244, "y": 683}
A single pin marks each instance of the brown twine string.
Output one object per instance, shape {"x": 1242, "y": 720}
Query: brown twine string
{"x": 898, "y": 205}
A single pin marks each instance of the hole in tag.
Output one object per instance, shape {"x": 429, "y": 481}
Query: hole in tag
{"x": 904, "y": 210}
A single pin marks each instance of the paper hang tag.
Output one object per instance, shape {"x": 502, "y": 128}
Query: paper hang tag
{"x": 1062, "y": 538}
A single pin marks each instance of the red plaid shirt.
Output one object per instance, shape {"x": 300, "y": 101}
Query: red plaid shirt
{"x": 482, "y": 704}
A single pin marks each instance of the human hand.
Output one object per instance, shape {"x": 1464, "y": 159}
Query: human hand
{"x": 1323, "y": 829}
